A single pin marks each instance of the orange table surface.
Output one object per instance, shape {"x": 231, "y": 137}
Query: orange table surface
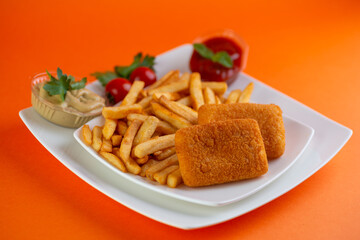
{"x": 309, "y": 50}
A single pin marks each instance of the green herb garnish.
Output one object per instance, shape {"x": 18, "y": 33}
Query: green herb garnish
{"x": 62, "y": 84}
{"x": 125, "y": 71}
{"x": 221, "y": 57}
{"x": 104, "y": 77}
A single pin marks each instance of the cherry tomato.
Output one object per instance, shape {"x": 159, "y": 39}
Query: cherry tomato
{"x": 117, "y": 89}
{"x": 144, "y": 74}
{"x": 211, "y": 71}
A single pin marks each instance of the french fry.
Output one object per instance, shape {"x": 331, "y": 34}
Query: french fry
{"x": 143, "y": 94}
{"x": 172, "y": 118}
{"x": 219, "y": 88}
{"x": 114, "y": 160}
{"x": 146, "y": 130}
{"x": 174, "y": 179}
{"x": 154, "y": 137}
{"x": 157, "y": 152}
{"x": 130, "y": 164}
{"x": 222, "y": 98}
{"x": 86, "y": 134}
{"x": 185, "y": 101}
{"x": 163, "y": 80}
{"x": 143, "y": 160}
{"x": 174, "y": 77}
{"x": 116, "y": 140}
{"x": 114, "y": 149}
{"x": 171, "y": 96}
{"x": 157, "y": 133}
{"x": 122, "y": 127}
{"x": 246, "y": 94}
{"x": 185, "y": 76}
{"x": 161, "y": 176}
{"x": 133, "y": 93}
{"x": 163, "y": 127}
{"x": 145, "y": 102}
{"x": 180, "y": 109}
{"x": 217, "y": 100}
{"x": 146, "y": 166}
{"x": 195, "y": 91}
{"x": 233, "y": 96}
{"x": 97, "y": 138}
{"x": 172, "y": 160}
{"x": 177, "y": 86}
{"x": 106, "y": 145}
{"x": 154, "y": 145}
{"x": 127, "y": 141}
{"x": 148, "y": 111}
{"x": 209, "y": 96}
{"x": 137, "y": 116}
{"x": 185, "y": 92}
{"x": 120, "y": 112}
{"x": 165, "y": 153}
{"x": 109, "y": 128}
{"x": 140, "y": 96}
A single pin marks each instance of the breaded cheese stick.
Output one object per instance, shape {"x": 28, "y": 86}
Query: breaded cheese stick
{"x": 219, "y": 152}
{"x": 268, "y": 116}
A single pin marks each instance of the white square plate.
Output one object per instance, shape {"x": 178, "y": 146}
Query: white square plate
{"x": 297, "y": 138}
{"x": 329, "y": 137}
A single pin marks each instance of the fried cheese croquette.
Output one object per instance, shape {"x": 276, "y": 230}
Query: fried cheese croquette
{"x": 268, "y": 116}
{"x": 220, "y": 152}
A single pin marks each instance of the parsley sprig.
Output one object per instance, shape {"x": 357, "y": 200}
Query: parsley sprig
{"x": 125, "y": 71}
{"x": 220, "y": 57}
{"x": 62, "y": 84}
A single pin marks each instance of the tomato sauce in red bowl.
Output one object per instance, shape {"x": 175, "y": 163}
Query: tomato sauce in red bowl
{"x": 225, "y": 40}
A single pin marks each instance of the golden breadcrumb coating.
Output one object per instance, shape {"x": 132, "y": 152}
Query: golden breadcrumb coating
{"x": 220, "y": 152}
{"x": 268, "y": 116}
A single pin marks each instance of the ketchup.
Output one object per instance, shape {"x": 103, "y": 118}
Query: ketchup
{"x": 211, "y": 71}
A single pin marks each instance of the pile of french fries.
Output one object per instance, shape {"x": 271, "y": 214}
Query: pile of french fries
{"x": 139, "y": 135}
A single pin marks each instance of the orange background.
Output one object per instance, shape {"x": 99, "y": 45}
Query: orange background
{"x": 310, "y": 51}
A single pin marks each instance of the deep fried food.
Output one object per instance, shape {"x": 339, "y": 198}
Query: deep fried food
{"x": 86, "y": 134}
{"x": 162, "y": 176}
{"x": 96, "y": 138}
{"x": 165, "y": 153}
{"x": 146, "y": 130}
{"x": 246, "y": 94}
{"x": 269, "y": 117}
{"x": 172, "y": 118}
{"x": 116, "y": 140}
{"x": 172, "y": 160}
{"x": 162, "y": 126}
{"x": 109, "y": 128}
{"x": 120, "y": 112}
{"x": 220, "y": 152}
{"x": 180, "y": 109}
{"x": 114, "y": 160}
{"x": 106, "y": 145}
{"x": 195, "y": 91}
{"x": 219, "y": 88}
{"x": 121, "y": 128}
{"x": 174, "y": 178}
{"x": 209, "y": 96}
{"x": 233, "y": 96}
{"x": 133, "y": 93}
{"x": 127, "y": 141}
{"x": 154, "y": 145}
